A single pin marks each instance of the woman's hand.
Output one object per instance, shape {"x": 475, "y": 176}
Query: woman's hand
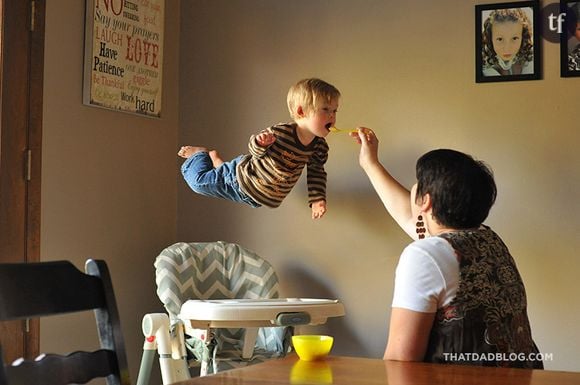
{"x": 369, "y": 146}
{"x": 394, "y": 196}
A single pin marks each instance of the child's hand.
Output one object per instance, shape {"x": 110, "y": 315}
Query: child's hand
{"x": 318, "y": 209}
{"x": 265, "y": 138}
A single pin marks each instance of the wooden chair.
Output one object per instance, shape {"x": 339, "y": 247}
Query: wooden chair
{"x": 30, "y": 290}
{"x": 3, "y": 380}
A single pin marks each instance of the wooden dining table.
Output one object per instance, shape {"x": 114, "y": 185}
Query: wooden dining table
{"x": 340, "y": 370}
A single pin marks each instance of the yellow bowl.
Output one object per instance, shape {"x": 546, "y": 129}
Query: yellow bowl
{"x": 312, "y": 347}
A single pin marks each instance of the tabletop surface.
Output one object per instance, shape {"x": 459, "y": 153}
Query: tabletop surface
{"x": 367, "y": 371}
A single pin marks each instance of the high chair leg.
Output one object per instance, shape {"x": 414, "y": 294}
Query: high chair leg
{"x": 155, "y": 328}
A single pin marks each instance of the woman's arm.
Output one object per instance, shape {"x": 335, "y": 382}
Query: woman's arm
{"x": 408, "y": 335}
{"x": 394, "y": 196}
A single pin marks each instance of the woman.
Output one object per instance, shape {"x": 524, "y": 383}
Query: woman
{"x": 458, "y": 296}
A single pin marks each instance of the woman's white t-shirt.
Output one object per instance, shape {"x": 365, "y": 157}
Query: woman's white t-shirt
{"x": 427, "y": 276}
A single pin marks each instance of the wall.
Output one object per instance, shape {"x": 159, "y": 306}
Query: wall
{"x": 108, "y": 180}
{"x": 405, "y": 69}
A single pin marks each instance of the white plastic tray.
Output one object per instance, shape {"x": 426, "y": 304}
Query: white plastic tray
{"x": 259, "y": 312}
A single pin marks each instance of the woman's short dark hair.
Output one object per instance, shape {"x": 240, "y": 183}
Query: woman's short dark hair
{"x": 462, "y": 189}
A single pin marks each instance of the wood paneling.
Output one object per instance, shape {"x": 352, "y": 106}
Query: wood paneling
{"x": 20, "y": 138}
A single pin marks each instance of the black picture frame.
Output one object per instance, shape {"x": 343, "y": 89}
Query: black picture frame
{"x": 570, "y": 40}
{"x": 526, "y": 63}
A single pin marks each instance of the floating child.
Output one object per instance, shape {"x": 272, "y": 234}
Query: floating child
{"x": 277, "y": 155}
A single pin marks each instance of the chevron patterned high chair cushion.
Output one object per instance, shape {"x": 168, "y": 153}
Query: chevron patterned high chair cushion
{"x": 219, "y": 270}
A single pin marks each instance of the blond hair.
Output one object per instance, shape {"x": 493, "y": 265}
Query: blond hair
{"x": 310, "y": 94}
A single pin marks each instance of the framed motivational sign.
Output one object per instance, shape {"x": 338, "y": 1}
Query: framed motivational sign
{"x": 124, "y": 55}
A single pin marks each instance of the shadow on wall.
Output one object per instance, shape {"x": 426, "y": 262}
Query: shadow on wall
{"x": 310, "y": 286}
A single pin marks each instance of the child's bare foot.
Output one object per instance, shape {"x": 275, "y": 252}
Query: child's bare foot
{"x": 215, "y": 158}
{"x": 188, "y": 151}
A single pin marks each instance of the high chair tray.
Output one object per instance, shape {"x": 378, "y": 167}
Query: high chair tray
{"x": 259, "y": 312}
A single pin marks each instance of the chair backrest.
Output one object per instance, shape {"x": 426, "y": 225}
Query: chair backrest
{"x": 3, "y": 380}
{"x": 211, "y": 270}
{"x": 30, "y": 290}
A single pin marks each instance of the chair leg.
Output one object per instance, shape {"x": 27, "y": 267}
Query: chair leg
{"x": 145, "y": 369}
{"x": 155, "y": 328}
{"x": 173, "y": 370}
{"x": 250, "y": 336}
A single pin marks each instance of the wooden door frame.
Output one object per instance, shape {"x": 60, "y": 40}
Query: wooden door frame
{"x": 21, "y": 100}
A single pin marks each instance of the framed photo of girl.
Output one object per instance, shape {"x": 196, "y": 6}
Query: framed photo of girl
{"x": 570, "y": 39}
{"x": 507, "y": 42}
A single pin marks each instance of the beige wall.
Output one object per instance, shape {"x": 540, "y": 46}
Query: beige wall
{"x": 109, "y": 185}
{"x": 405, "y": 69}
{"x": 108, "y": 179}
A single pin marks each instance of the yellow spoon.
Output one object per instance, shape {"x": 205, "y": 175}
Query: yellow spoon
{"x": 334, "y": 129}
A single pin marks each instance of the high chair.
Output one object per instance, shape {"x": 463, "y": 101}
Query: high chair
{"x": 223, "y": 311}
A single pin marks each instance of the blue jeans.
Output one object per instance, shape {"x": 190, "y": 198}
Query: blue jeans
{"x": 220, "y": 182}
